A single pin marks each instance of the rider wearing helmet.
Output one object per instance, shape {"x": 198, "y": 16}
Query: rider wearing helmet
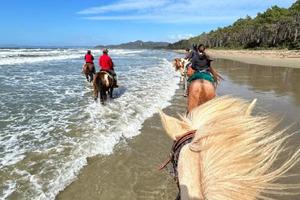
{"x": 106, "y": 64}
{"x": 201, "y": 65}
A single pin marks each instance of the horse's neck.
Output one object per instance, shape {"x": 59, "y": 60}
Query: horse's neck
{"x": 189, "y": 174}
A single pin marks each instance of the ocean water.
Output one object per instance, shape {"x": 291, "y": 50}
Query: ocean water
{"x": 50, "y": 124}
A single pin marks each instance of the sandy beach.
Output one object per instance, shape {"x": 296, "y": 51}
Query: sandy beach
{"x": 283, "y": 58}
{"x": 261, "y": 57}
{"x": 130, "y": 173}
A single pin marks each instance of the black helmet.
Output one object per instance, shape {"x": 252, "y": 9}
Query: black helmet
{"x": 89, "y": 52}
{"x": 194, "y": 46}
{"x": 105, "y": 50}
{"x": 201, "y": 47}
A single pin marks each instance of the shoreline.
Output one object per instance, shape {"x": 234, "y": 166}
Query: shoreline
{"x": 131, "y": 161}
{"x": 282, "y": 58}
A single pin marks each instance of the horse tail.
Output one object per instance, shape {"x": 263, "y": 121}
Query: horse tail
{"x": 96, "y": 85}
{"x": 238, "y": 151}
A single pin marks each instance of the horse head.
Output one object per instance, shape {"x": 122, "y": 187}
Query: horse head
{"x": 177, "y": 64}
{"x": 231, "y": 154}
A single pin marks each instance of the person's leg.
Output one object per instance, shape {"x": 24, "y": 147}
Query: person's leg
{"x": 114, "y": 75}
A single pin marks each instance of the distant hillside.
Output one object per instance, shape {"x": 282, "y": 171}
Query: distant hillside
{"x": 275, "y": 28}
{"x": 137, "y": 45}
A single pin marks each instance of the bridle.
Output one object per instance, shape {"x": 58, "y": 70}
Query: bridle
{"x": 174, "y": 155}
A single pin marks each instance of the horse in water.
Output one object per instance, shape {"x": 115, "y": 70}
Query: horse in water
{"x": 89, "y": 70}
{"x": 103, "y": 83}
{"x": 180, "y": 65}
{"x": 222, "y": 152}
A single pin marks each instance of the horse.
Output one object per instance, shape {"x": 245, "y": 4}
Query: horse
{"x": 181, "y": 65}
{"x": 103, "y": 83}
{"x": 221, "y": 151}
{"x": 89, "y": 70}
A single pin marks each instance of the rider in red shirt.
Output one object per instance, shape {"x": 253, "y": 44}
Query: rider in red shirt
{"x": 89, "y": 63}
{"x": 89, "y": 58}
{"x": 106, "y": 64}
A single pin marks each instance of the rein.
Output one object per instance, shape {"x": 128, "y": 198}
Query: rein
{"x": 175, "y": 150}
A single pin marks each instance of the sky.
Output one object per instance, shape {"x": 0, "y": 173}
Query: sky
{"x": 94, "y": 22}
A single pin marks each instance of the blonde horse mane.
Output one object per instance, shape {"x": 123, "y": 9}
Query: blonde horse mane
{"x": 237, "y": 150}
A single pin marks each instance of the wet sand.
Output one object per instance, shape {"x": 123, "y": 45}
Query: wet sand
{"x": 131, "y": 171}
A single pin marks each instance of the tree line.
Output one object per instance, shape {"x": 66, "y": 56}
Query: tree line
{"x": 275, "y": 28}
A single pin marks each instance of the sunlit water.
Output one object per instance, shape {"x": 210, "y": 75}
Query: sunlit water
{"x": 49, "y": 123}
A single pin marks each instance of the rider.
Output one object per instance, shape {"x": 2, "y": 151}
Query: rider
{"x": 89, "y": 59}
{"x": 106, "y": 64}
{"x": 187, "y": 53}
{"x": 201, "y": 65}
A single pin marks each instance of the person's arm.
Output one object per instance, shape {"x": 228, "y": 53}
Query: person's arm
{"x": 189, "y": 56}
{"x": 100, "y": 62}
{"x": 92, "y": 58}
{"x": 111, "y": 64}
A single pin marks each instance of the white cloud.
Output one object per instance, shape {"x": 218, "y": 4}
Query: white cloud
{"x": 181, "y": 36}
{"x": 177, "y": 37}
{"x": 165, "y": 18}
{"x": 180, "y": 11}
{"x": 126, "y": 5}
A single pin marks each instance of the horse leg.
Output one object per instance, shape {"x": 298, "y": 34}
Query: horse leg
{"x": 102, "y": 96}
{"x": 111, "y": 92}
{"x": 185, "y": 85}
{"x": 91, "y": 77}
{"x": 96, "y": 91}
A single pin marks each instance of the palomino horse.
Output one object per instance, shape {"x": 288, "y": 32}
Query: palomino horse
{"x": 88, "y": 69}
{"x": 103, "y": 83}
{"x": 222, "y": 152}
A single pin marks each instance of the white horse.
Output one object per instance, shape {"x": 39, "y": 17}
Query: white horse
{"x": 222, "y": 152}
{"x": 181, "y": 65}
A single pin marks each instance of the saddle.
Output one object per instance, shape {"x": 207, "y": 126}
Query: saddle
{"x": 107, "y": 73}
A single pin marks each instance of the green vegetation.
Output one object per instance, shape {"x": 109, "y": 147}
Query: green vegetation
{"x": 275, "y": 28}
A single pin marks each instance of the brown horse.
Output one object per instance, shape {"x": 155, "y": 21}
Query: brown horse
{"x": 201, "y": 91}
{"x": 103, "y": 83}
{"x": 89, "y": 70}
{"x": 222, "y": 152}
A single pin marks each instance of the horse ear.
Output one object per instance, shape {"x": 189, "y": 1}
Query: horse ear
{"x": 174, "y": 127}
{"x": 250, "y": 107}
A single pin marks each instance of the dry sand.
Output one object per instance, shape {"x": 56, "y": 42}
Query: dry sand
{"x": 283, "y": 58}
